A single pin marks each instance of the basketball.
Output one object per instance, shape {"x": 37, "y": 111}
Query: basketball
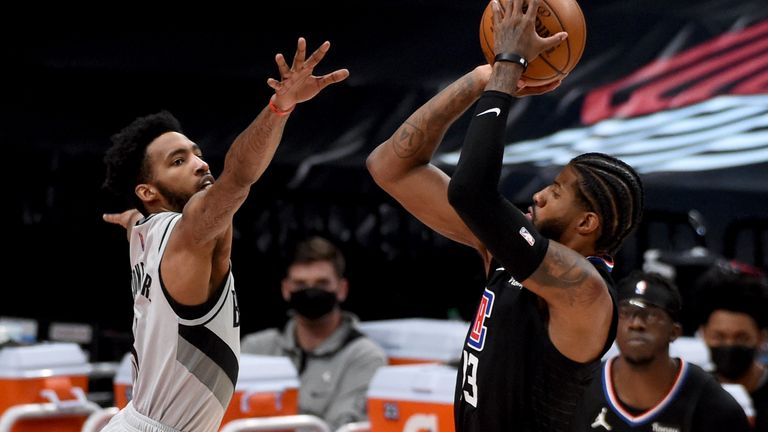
{"x": 552, "y": 17}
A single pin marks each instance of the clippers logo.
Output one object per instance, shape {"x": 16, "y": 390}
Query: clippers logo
{"x": 527, "y": 236}
{"x": 476, "y": 338}
{"x": 640, "y": 287}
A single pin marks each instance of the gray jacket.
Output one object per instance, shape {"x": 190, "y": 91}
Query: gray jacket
{"x": 334, "y": 377}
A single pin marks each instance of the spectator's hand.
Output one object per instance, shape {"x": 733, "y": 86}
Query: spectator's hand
{"x": 297, "y": 84}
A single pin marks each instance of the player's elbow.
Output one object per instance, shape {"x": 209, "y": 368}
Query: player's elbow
{"x": 378, "y": 168}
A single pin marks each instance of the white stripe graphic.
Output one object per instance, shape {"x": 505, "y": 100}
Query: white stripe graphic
{"x": 724, "y": 132}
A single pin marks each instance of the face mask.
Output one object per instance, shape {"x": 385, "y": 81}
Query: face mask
{"x": 312, "y": 303}
{"x": 732, "y": 361}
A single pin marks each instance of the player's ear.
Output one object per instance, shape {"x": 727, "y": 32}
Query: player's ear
{"x": 145, "y": 192}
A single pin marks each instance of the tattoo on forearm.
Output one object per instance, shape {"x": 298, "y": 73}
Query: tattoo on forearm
{"x": 423, "y": 131}
{"x": 408, "y": 140}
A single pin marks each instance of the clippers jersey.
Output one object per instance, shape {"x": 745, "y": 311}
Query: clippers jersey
{"x": 695, "y": 403}
{"x": 185, "y": 358}
{"x": 512, "y": 378}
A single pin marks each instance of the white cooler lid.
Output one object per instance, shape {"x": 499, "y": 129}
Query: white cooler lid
{"x": 123, "y": 375}
{"x": 429, "y": 382}
{"x": 418, "y": 338}
{"x": 43, "y": 360}
{"x": 266, "y": 373}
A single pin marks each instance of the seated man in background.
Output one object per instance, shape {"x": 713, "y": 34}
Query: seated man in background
{"x": 733, "y": 307}
{"x": 334, "y": 360}
{"x": 643, "y": 388}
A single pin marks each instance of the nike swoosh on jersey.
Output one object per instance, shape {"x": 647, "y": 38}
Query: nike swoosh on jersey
{"x": 497, "y": 111}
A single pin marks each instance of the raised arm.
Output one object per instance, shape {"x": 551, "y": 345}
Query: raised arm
{"x": 209, "y": 214}
{"x": 197, "y": 258}
{"x": 578, "y": 301}
{"x": 401, "y": 165}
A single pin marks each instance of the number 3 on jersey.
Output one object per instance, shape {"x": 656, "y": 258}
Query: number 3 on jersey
{"x": 476, "y": 340}
{"x": 469, "y": 381}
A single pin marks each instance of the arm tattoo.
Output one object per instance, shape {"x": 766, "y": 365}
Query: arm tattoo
{"x": 420, "y": 135}
{"x": 408, "y": 141}
{"x": 561, "y": 269}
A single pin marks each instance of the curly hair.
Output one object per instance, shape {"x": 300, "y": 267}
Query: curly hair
{"x": 725, "y": 286}
{"x": 126, "y": 160}
{"x": 614, "y": 190}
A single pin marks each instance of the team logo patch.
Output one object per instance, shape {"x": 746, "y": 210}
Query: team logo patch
{"x": 527, "y": 236}
{"x": 640, "y": 287}
{"x": 477, "y": 335}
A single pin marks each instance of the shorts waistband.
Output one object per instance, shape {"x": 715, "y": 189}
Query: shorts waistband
{"x": 143, "y": 423}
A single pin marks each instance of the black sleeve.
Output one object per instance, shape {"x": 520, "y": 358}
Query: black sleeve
{"x": 718, "y": 411}
{"x": 474, "y": 192}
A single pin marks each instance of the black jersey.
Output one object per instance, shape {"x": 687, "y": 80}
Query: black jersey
{"x": 512, "y": 378}
{"x": 696, "y": 402}
{"x": 760, "y": 405}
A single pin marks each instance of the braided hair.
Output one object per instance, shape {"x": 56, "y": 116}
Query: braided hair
{"x": 126, "y": 160}
{"x": 612, "y": 189}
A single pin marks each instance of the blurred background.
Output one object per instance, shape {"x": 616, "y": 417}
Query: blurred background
{"x": 680, "y": 94}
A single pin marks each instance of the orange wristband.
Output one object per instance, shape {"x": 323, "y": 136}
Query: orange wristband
{"x": 278, "y": 111}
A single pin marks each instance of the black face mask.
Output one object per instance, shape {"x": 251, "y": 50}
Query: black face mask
{"x": 732, "y": 361}
{"x": 312, "y": 303}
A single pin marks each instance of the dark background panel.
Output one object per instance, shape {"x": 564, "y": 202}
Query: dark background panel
{"x": 71, "y": 82}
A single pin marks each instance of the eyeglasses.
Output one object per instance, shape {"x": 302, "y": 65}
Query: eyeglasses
{"x": 649, "y": 314}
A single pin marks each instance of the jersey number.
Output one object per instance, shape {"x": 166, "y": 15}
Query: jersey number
{"x": 469, "y": 381}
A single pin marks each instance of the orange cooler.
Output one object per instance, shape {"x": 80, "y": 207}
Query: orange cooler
{"x": 412, "y": 398}
{"x": 418, "y": 340}
{"x": 266, "y": 386}
{"x": 123, "y": 382}
{"x": 27, "y": 371}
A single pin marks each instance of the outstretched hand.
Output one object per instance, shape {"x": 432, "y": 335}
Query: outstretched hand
{"x": 126, "y": 219}
{"x": 297, "y": 84}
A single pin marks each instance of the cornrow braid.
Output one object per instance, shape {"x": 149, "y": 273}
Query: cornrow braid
{"x": 614, "y": 190}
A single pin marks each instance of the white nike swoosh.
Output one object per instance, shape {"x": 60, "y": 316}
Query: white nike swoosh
{"x": 492, "y": 110}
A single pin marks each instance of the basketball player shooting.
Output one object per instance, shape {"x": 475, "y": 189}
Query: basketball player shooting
{"x": 547, "y": 313}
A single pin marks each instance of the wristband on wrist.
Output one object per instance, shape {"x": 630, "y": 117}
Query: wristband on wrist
{"x": 512, "y": 58}
{"x": 274, "y": 108}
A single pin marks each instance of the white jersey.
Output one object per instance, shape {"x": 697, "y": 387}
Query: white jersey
{"x": 185, "y": 358}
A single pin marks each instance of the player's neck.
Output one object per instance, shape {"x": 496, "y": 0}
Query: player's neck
{"x": 644, "y": 386}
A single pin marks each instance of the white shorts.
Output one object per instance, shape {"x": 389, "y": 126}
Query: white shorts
{"x": 130, "y": 420}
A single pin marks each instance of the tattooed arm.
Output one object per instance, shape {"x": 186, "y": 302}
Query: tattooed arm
{"x": 401, "y": 165}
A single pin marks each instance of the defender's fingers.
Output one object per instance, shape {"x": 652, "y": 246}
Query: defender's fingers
{"x": 301, "y": 53}
{"x": 318, "y": 55}
{"x": 333, "y": 78}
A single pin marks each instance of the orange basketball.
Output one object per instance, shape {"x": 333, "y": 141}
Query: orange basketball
{"x": 553, "y": 16}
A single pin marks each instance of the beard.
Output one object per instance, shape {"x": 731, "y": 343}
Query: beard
{"x": 552, "y": 229}
{"x": 176, "y": 200}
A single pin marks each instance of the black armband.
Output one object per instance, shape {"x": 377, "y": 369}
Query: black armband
{"x": 474, "y": 192}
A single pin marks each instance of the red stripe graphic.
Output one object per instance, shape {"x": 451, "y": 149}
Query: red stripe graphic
{"x": 734, "y": 63}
